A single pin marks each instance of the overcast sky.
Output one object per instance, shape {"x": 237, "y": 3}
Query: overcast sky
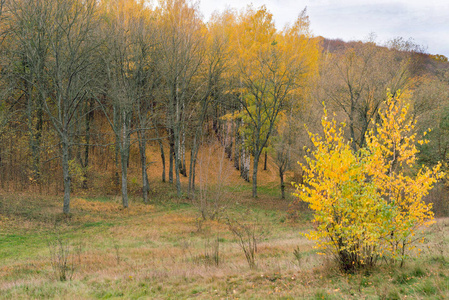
{"x": 425, "y": 21}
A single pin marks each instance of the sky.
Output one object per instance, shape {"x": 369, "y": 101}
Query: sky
{"x": 424, "y": 21}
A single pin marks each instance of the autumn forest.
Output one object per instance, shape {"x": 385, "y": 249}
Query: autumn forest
{"x": 146, "y": 152}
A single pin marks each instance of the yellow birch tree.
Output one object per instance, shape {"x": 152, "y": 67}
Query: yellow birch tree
{"x": 367, "y": 204}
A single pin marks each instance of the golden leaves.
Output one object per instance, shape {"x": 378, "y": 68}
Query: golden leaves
{"x": 368, "y": 203}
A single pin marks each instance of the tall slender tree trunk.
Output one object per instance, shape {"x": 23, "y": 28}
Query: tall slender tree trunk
{"x": 116, "y": 118}
{"x": 245, "y": 160}
{"x": 85, "y": 161}
{"x": 255, "y": 167}
{"x": 143, "y": 161}
{"x": 281, "y": 175}
{"x": 35, "y": 123}
{"x": 65, "y": 171}
{"x": 242, "y": 163}
{"x": 159, "y": 141}
{"x": 124, "y": 163}
{"x": 191, "y": 190}
{"x": 193, "y": 160}
{"x": 161, "y": 147}
{"x": 177, "y": 125}
{"x": 237, "y": 147}
{"x": 177, "y": 165}
{"x": 182, "y": 141}
{"x": 351, "y": 124}
{"x": 265, "y": 162}
{"x": 172, "y": 152}
{"x": 124, "y": 157}
{"x": 182, "y": 150}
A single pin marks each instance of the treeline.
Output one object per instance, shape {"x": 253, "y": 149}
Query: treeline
{"x": 107, "y": 77}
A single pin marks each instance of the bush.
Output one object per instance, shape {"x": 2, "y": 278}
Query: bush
{"x": 63, "y": 256}
{"x": 248, "y": 235}
{"x": 367, "y": 204}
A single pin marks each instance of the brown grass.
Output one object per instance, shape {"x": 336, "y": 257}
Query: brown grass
{"x": 159, "y": 251}
{"x": 159, "y": 254}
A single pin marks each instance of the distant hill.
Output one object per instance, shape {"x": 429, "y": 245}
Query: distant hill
{"x": 423, "y": 63}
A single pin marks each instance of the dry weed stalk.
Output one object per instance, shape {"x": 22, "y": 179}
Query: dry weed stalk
{"x": 212, "y": 251}
{"x": 247, "y": 234}
{"x": 62, "y": 257}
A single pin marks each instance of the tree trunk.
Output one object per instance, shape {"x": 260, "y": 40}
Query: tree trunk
{"x": 242, "y": 163}
{"x": 182, "y": 150}
{"x": 65, "y": 172}
{"x": 281, "y": 175}
{"x": 237, "y": 148}
{"x": 194, "y": 174}
{"x": 228, "y": 147}
{"x": 143, "y": 161}
{"x": 351, "y": 124}
{"x": 124, "y": 156}
{"x": 255, "y": 167}
{"x": 265, "y": 163}
{"x": 161, "y": 146}
{"x": 245, "y": 160}
{"x": 34, "y": 129}
{"x": 124, "y": 163}
{"x": 116, "y": 117}
{"x": 177, "y": 165}
{"x": 85, "y": 162}
{"x": 170, "y": 168}
{"x": 193, "y": 160}
{"x": 191, "y": 189}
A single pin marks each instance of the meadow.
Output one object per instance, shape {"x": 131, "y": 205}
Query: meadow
{"x": 165, "y": 250}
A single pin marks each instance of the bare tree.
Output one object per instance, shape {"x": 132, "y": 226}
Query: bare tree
{"x": 68, "y": 74}
{"x": 355, "y": 82}
{"x": 181, "y": 42}
{"x": 129, "y": 75}
{"x": 210, "y": 84}
{"x": 146, "y": 81}
{"x": 27, "y": 39}
{"x": 57, "y": 44}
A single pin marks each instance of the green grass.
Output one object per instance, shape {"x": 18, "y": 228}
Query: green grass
{"x": 97, "y": 224}
{"x": 22, "y": 246}
{"x": 159, "y": 252}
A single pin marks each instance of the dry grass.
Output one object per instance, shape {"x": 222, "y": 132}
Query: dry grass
{"x": 157, "y": 252}
{"x": 123, "y": 249}
{"x": 162, "y": 251}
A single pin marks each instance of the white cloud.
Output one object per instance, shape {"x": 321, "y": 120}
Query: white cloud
{"x": 427, "y": 22}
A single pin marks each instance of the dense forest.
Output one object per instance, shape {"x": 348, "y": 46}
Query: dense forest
{"x": 151, "y": 104}
{"x": 88, "y": 85}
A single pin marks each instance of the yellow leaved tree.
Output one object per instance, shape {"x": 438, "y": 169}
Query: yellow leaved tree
{"x": 272, "y": 68}
{"x": 368, "y": 204}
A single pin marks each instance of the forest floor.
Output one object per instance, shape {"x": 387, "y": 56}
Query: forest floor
{"x": 165, "y": 250}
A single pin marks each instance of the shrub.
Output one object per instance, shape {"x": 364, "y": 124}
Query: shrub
{"x": 63, "y": 256}
{"x": 367, "y": 204}
{"x": 248, "y": 235}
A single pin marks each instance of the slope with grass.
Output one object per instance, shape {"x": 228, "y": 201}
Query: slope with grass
{"x": 165, "y": 250}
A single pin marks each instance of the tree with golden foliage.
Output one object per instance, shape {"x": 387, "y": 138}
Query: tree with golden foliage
{"x": 272, "y": 66}
{"x": 368, "y": 204}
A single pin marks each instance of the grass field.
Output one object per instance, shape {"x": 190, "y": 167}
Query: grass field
{"x": 165, "y": 251}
